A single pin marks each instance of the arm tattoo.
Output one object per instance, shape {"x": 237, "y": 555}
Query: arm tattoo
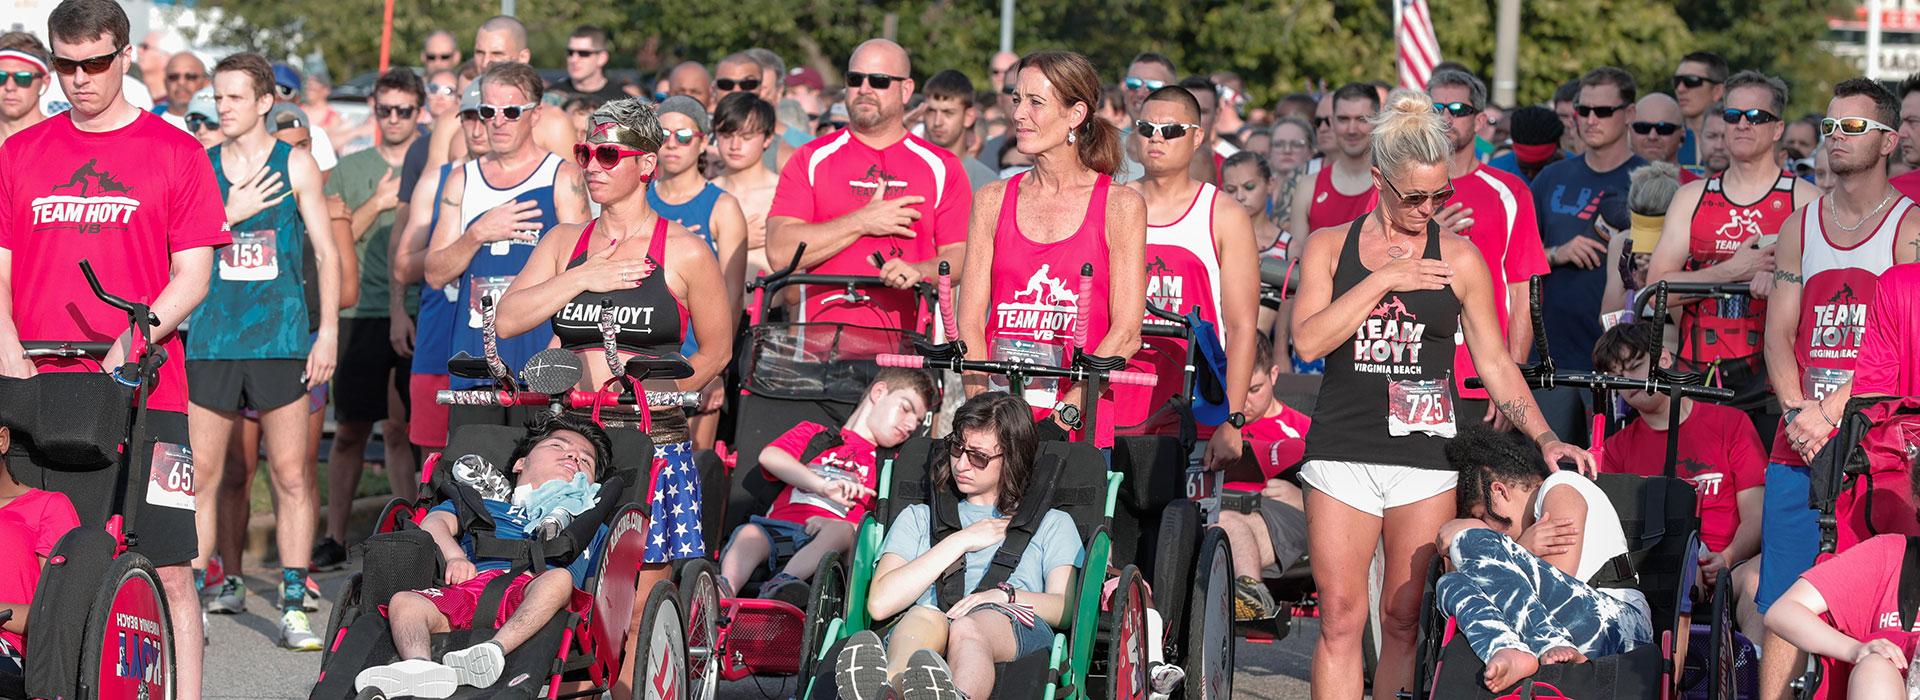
{"x": 1915, "y": 244}
{"x": 1514, "y": 410}
{"x": 1788, "y": 277}
{"x": 449, "y": 199}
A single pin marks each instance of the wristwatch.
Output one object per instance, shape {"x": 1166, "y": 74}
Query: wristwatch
{"x": 1069, "y": 414}
{"x": 1237, "y": 419}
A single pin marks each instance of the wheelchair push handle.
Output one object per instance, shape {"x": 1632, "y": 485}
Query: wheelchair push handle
{"x": 1595, "y": 380}
{"x": 1030, "y": 370}
{"x": 947, "y": 320}
{"x": 573, "y": 399}
{"x": 1655, "y": 297}
{"x": 49, "y": 348}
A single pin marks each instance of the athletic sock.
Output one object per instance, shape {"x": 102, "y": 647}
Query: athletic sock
{"x": 293, "y": 587}
{"x": 199, "y": 579}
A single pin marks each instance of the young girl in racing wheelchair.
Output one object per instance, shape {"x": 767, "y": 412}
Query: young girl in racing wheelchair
{"x": 31, "y": 522}
{"x": 992, "y": 451}
{"x": 1527, "y": 545}
{"x": 555, "y": 467}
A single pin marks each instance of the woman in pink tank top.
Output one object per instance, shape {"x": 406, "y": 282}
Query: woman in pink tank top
{"x": 1031, "y": 235}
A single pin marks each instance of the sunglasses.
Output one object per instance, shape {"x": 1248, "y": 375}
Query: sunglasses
{"x": 1008, "y": 90}
{"x": 1601, "y": 112}
{"x": 684, "y": 136}
{"x": 751, "y": 84}
{"x": 1169, "y": 132}
{"x": 93, "y": 66}
{"x": 606, "y": 154}
{"x": 178, "y": 77}
{"x": 285, "y": 92}
{"x": 1693, "y": 81}
{"x": 22, "y": 78}
{"x": 879, "y": 81}
{"x": 1458, "y": 109}
{"x": 1664, "y": 128}
{"x": 831, "y": 126}
{"x": 1755, "y": 116}
{"x": 511, "y": 112}
{"x": 388, "y": 111}
{"x": 979, "y": 460}
{"x": 1419, "y": 199}
{"x": 1289, "y": 145}
{"x": 196, "y": 122}
{"x": 1135, "y": 83}
{"x": 581, "y": 53}
{"x": 442, "y": 89}
{"x": 1851, "y": 126}
{"x": 438, "y": 56}
{"x": 1322, "y": 122}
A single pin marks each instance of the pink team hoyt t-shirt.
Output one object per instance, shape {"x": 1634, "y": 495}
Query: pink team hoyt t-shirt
{"x": 1889, "y": 359}
{"x": 854, "y": 460}
{"x": 29, "y": 528}
{"x": 1862, "y": 590}
{"x": 125, "y": 201}
{"x": 1278, "y": 442}
{"x": 1507, "y": 235}
{"x": 837, "y": 174}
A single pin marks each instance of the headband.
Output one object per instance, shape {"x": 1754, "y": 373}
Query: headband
{"x": 608, "y": 130}
{"x": 1534, "y": 152}
{"x": 1646, "y": 232}
{"x": 19, "y": 55}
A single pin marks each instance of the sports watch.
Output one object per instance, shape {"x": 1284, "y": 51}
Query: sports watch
{"x": 1237, "y": 420}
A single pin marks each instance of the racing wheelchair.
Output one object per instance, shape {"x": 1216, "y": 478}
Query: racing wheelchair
{"x": 100, "y": 624}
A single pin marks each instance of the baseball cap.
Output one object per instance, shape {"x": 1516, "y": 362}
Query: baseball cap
{"x": 285, "y": 76}
{"x": 202, "y": 104}
{"x": 470, "y": 97}
{"x": 806, "y": 76}
{"x": 286, "y": 116}
{"x": 682, "y": 104}
{"x": 837, "y": 113}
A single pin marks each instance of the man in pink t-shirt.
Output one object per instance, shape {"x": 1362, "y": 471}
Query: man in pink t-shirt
{"x": 871, "y": 199}
{"x": 112, "y": 184}
{"x": 1496, "y": 210}
{"x": 1888, "y": 363}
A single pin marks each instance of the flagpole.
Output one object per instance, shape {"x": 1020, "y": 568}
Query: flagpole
{"x": 1399, "y": 66}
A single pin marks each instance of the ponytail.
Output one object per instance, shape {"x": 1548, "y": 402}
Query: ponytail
{"x": 1099, "y": 145}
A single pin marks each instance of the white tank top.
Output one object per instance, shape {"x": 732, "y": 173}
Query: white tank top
{"x": 479, "y": 196}
{"x": 1184, "y": 251}
{"x": 1875, "y": 254}
{"x": 1601, "y": 536}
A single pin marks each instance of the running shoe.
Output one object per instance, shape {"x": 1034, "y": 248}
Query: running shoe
{"x": 296, "y": 633}
{"x": 1252, "y": 600}
{"x": 479, "y": 665}
{"x": 861, "y": 669}
{"x": 232, "y": 598}
{"x": 1166, "y": 678}
{"x": 418, "y": 678}
{"x": 328, "y": 555}
{"x": 216, "y": 571}
{"x": 928, "y": 678}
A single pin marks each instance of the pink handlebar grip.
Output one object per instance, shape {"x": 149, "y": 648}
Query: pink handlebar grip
{"x": 909, "y": 361}
{"x": 1082, "y": 307}
{"x": 1133, "y": 378}
{"x": 947, "y": 320}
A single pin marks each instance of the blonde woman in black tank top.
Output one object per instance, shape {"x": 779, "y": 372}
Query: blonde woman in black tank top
{"x": 1381, "y": 299}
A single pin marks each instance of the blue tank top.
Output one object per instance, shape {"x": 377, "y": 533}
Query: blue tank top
{"x": 695, "y": 214}
{"x": 433, "y": 332}
{"x": 256, "y": 306}
{"x": 494, "y": 266}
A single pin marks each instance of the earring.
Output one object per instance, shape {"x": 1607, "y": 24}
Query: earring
{"x": 1072, "y": 137}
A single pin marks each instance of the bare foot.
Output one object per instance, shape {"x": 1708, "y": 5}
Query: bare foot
{"x": 1507, "y": 667}
{"x": 1562, "y": 655}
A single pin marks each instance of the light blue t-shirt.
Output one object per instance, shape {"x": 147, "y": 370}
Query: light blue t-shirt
{"x": 1055, "y": 544}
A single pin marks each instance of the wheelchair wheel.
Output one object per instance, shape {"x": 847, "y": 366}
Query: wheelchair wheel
{"x": 700, "y": 599}
{"x": 129, "y": 637}
{"x": 661, "y": 671}
{"x": 346, "y": 609}
{"x": 1209, "y": 662}
{"x": 829, "y": 602}
{"x": 1126, "y": 627}
{"x": 1173, "y": 572}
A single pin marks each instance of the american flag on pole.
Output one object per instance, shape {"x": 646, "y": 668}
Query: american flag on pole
{"x": 1418, "y": 49}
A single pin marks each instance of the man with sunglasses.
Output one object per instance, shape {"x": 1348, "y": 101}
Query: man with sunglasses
{"x": 1147, "y": 72}
{"x": 871, "y": 196}
{"x": 587, "y": 55}
{"x": 503, "y": 39}
{"x": 203, "y": 119}
{"x": 440, "y": 52}
{"x": 23, "y": 77}
{"x": 1343, "y": 188}
{"x": 741, "y": 72}
{"x": 1728, "y": 239}
{"x": 1699, "y": 84}
{"x": 113, "y": 184}
{"x": 1568, "y": 196}
{"x": 186, "y": 74}
{"x": 1832, "y": 254}
{"x": 1657, "y": 131}
{"x": 1494, "y": 209}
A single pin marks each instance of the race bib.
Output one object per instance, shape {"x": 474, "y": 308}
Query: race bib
{"x": 1818, "y": 382}
{"x": 252, "y": 257}
{"x": 1420, "y": 405}
{"x": 1039, "y": 393}
{"x": 484, "y": 287}
{"x": 803, "y": 496}
{"x": 170, "y": 483}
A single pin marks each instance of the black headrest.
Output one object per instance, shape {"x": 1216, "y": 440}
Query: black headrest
{"x": 1080, "y": 489}
{"x": 86, "y": 423}
{"x": 1155, "y": 467}
{"x": 632, "y": 453}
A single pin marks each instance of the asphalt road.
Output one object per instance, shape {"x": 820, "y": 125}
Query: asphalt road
{"x": 244, "y": 662}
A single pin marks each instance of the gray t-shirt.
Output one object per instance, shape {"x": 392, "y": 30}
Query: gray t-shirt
{"x": 1055, "y": 544}
{"x": 978, "y": 174}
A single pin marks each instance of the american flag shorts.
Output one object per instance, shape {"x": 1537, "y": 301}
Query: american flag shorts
{"x": 673, "y": 525}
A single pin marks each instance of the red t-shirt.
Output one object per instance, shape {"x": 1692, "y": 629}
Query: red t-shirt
{"x": 1720, "y": 454}
{"x": 836, "y": 174}
{"x": 1907, "y": 184}
{"x": 29, "y": 527}
{"x": 1508, "y": 236}
{"x": 1889, "y": 360}
{"x": 853, "y": 460}
{"x": 1278, "y": 442}
{"x": 1862, "y": 590}
{"x": 126, "y": 200}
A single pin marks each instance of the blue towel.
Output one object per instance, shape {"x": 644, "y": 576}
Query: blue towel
{"x": 575, "y": 497}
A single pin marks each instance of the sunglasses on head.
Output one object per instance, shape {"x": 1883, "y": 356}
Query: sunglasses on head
{"x": 1755, "y": 116}
{"x": 1419, "y": 199}
{"x": 197, "y": 122}
{"x": 581, "y": 53}
{"x": 1458, "y": 109}
{"x": 607, "y": 155}
{"x": 511, "y": 112}
{"x": 177, "y": 77}
{"x": 1601, "y": 112}
{"x": 879, "y": 81}
{"x": 1692, "y": 81}
{"x": 437, "y": 56}
{"x": 1136, "y": 82}
{"x": 1851, "y": 126}
{"x": 22, "y": 78}
{"x": 1169, "y": 132}
{"x": 389, "y": 111}
{"x": 93, "y": 66}
{"x": 729, "y": 84}
{"x": 1664, "y": 128}
{"x": 684, "y": 136}
{"x": 979, "y": 460}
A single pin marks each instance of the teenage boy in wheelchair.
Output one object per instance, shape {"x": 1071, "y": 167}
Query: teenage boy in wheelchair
{"x": 555, "y": 467}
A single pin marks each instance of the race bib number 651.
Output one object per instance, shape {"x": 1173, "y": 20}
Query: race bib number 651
{"x": 170, "y": 483}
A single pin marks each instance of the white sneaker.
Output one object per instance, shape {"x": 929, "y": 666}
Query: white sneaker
{"x": 296, "y": 633}
{"x": 419, "y": 678}
{"x": 479, "y": 665}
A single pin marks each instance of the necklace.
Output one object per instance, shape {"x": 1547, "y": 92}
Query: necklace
{"x": 1395, "y": 250}
{"x": 1863, "y": 218}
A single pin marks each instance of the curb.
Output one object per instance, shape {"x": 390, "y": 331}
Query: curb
{"x": 260, "y": 545}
